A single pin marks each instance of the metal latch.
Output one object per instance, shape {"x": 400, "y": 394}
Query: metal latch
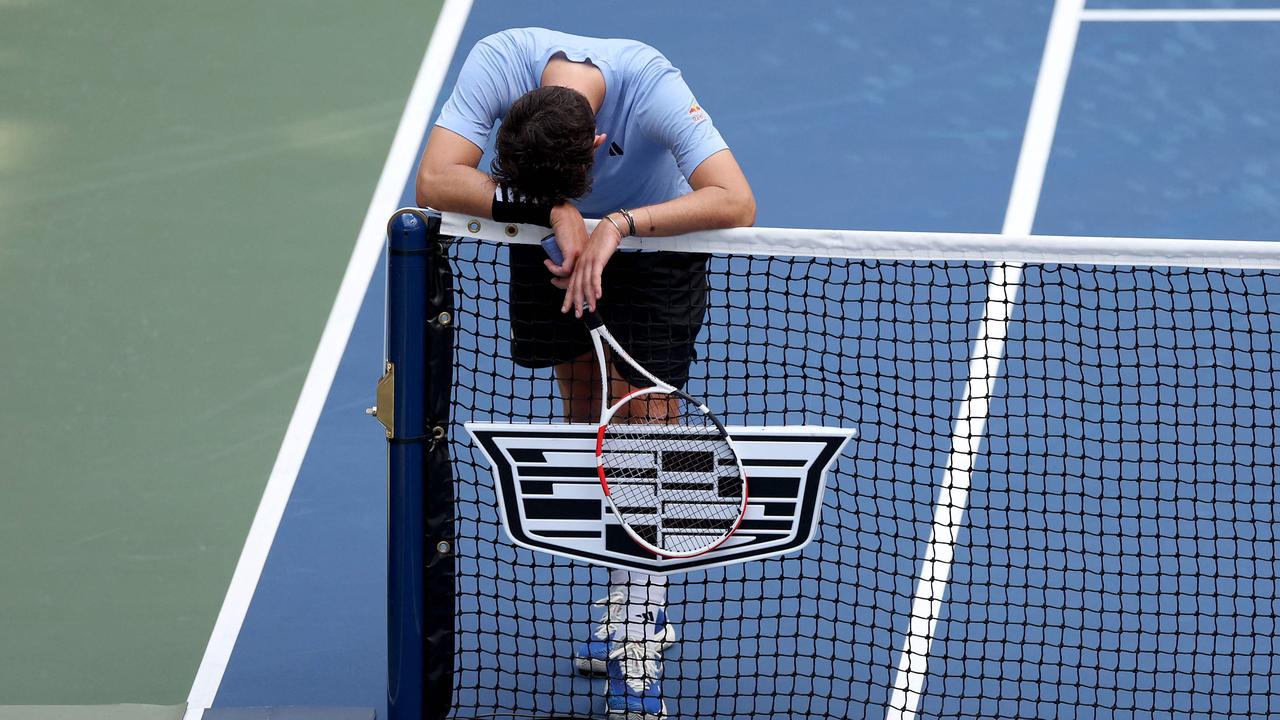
{"x": 385, "y": 411}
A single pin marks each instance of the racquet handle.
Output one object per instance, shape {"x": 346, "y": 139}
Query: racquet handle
{"x": 552, "y": 248}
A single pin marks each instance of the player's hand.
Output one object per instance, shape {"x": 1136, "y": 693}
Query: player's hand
{"x": 571, "y": 236}
{"x": 584, "y": 288}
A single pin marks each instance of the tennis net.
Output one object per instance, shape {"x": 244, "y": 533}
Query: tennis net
{"x": 1060, "y": 500}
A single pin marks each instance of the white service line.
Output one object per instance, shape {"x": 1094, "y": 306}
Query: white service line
{"x": 324, "y": 365}
{"x": 1183, "y": 15}
{"x": 984, "y": 364}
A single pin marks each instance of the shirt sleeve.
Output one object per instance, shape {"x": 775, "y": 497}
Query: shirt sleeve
{"x": 482, "y": 94}
{"x": 671, "y": 116}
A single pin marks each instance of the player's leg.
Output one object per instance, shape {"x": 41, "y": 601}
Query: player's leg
{"x": 645, "y": 597}
{"x": 658, "y": 306}
{"x": 541, "y": 336}
{"x": 635, "y": 607}
{"x": 579, "y": 381}
{"x": 645, "y": 408}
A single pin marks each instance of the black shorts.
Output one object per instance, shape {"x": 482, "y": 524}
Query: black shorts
{"x": 654, "y": 304}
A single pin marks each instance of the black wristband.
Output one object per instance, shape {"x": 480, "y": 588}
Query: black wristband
{"x": 510, "y": 207}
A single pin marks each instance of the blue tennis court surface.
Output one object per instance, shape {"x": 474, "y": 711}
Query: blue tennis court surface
{"x": 882, "y": 116}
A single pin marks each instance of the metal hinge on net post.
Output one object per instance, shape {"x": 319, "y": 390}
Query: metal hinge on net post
{"x": 384, "y": 412}
{"x": 385, "y": 397}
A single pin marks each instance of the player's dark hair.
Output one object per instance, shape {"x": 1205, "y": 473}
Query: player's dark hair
{"x": 545, "y": 145}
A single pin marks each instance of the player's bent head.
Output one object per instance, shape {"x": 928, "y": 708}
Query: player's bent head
{"x": 546, "y": 145}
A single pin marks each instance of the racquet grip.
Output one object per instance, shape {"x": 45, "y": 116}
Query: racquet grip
{"x": 592, "y": 320}
{"x": 552, "y": 248}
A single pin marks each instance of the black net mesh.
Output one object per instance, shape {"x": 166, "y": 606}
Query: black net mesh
{"x": 1116, "y": 557}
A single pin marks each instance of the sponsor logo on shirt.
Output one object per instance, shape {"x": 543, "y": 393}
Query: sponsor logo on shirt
{"x": 696, "y": 113}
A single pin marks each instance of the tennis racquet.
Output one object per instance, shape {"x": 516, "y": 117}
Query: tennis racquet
{"x": 669, "y": 468}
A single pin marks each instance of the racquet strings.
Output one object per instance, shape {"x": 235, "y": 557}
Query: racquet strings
{"x": 672, "y": 474}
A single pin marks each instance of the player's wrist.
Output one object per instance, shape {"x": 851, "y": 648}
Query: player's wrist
{"x": 509, "y": 206}
{"x": 564, "y": 211}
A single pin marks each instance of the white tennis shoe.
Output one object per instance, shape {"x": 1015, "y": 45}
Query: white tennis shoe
{"x": 592, "y": 656}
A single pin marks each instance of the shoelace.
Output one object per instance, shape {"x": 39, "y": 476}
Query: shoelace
{"x": 640, "y": 665}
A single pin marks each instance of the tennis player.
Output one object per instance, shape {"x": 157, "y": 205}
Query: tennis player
{"x": 602, "y": 128}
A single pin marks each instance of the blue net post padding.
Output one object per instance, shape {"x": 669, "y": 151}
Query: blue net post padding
{"x": 420, "y": 568}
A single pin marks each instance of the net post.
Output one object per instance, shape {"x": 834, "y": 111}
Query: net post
{"x": 417, "y": 385}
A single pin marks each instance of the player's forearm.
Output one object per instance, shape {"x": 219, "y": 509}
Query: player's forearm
{"x": 708, "y": 208}
{"x": 456, "y": 188}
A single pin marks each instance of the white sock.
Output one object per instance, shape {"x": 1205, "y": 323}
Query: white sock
{"x": 646, "y": 595}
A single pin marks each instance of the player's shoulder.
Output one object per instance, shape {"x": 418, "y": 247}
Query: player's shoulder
{"x": 625, "y": 51}
{"x": 505, "y": 40}
{"x": 529, "y": 38}
{"x": 645, "y": 67}
{"x": 641, "y": 54}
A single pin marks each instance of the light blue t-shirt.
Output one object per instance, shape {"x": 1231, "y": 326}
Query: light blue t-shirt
{"x": 657, "y": 132}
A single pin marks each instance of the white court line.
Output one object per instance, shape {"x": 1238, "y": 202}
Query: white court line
{"x": 1183, "y": 15}
{"x": 333, "y": 342}
{"x": 984, "y": 364}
